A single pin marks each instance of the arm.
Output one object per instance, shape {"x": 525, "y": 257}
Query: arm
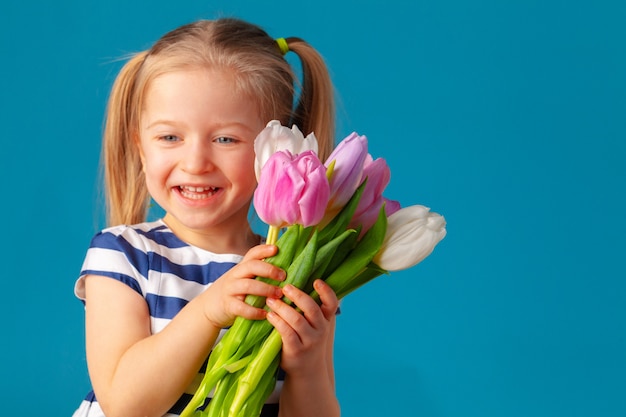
{"x": 135, "y": 373}
{"x": 307, "y": 355}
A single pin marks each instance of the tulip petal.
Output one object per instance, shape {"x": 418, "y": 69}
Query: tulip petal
{"x": 412, "y": 234}
{"x": 349, "y": 157}
{"x": 275, "y": 137}
{"x": 292, "y": 190}
{"x": 391, "y": 206}
{"x": 378, "y": 175}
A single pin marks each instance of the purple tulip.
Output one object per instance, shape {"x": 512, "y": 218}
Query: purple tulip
{"x": 349, "y": 157}
{"x": 391, "y": 206}
{"x": 292, "y": 190}
{"x": 378, "y": 175}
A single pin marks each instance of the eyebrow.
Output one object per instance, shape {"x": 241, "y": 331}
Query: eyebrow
{"x": 217, "y": 126}
{"x": 161, "y": 122}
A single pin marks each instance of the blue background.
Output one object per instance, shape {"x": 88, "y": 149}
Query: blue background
{"x": 506, "y": 117}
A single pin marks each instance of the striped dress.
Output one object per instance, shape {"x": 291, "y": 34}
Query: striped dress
{"x": 167, "y": 273}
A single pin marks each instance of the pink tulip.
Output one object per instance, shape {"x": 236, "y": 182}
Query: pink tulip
{"x": 391, "y": 206}
{"x": 292, "y": 190}
{"x": 349, "y": 157}
{"x": 378, "y": 175}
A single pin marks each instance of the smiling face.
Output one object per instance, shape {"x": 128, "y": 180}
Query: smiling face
{"x": 196, "y": 140}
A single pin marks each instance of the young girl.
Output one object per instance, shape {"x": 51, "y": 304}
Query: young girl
{"x": 181, "y": 123}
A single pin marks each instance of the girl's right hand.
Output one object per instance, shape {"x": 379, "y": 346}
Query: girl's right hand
{"x": 224, "y": 299}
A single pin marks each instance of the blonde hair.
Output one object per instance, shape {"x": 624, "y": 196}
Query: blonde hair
{"x": 261, "y": 72}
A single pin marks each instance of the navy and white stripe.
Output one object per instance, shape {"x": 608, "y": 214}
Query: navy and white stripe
{"x": 164, "y": 270}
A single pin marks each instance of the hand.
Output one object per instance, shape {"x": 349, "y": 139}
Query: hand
{"x": 307, "y": 335}
{"x": 224, "y": 299}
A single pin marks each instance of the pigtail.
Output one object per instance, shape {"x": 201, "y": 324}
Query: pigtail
{"x": 126, "y": 193}
{"x": 315, "y": 110}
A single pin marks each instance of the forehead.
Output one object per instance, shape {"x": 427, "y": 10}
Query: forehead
{"x": 195, "y": 94}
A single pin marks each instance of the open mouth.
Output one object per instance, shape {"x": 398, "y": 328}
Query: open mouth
{"x": 197, "y": 193}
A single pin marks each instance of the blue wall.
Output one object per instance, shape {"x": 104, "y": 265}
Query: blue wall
{"x": 506, "y": 117}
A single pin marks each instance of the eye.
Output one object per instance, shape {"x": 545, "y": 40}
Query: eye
{"x": 169, "y": 138}
{"x": 224, "y": 139}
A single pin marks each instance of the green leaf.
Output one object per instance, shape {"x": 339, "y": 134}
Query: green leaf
{"x": 328, "y": 253}
{"x": 369, "y": 273}
{"x": 342, "y": 251}
{"x": 360, "y": 257}
{"x": 340, "y": 222}
{"x": 302, "y": 267}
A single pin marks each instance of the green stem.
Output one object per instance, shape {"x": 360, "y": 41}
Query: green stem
{"x": 208, "y": 382}
{"x": 222, "y": 388}
{"x": 238, "y": 364}
{"x": 229, "y": 349}
{"x": 255, "y": 370}
{"x": 254, "y": 403}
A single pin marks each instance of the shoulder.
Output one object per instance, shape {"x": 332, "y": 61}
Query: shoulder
{"x": 129, "y": 250}
{"x": 131, "y": 254}
{"x": 142, "y": 235}
{"x": 143, "y": 238}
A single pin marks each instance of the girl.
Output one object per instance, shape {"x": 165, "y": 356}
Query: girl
{"x": 181, "y": 123}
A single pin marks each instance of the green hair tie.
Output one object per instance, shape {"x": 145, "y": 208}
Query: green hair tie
{"x": 282, "y": 45}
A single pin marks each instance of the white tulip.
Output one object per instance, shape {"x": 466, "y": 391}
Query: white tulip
{"x": 412, "y": 233}
{"x": 276, "y": 137}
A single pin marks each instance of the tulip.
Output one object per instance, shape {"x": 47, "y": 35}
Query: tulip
{"x": 347, "y": 161}
{"x": 391, "y": 206}
{"x": 378, "y": 174}
{"x": 412, "y": 233}
{"x": 292, "y": 190}
{"x": 276, "y": 137}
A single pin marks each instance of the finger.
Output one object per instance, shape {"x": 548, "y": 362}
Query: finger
{"x": 257, "y": 268}
{"x": 261, "y": 252}
{"x": 248, "y": 312}
{"x": 288, "y": 313}
{"x": 301, "y": 300}
{"x": 312, "y": 315}
{"x": 255, "y": 287}
{"x": 279, "y": 317}
{"x": 329, "y": 300}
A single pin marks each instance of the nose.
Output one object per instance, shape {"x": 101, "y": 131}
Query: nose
{"x": 197, "y": 157}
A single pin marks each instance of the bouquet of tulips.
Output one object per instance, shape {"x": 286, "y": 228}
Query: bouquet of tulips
{"x": 330, "y": 221}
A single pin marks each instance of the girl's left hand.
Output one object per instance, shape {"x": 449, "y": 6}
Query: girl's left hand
{"x": 307, "y": 335}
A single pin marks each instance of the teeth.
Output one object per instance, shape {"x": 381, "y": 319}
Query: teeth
{"x": 197, "y": 189}
{"x": 197, "y": 193}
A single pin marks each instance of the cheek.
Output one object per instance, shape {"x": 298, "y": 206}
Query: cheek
{"x": 155, "y": 169}
{"x": 243, "y": 172}
{"x": 251, "y": 183}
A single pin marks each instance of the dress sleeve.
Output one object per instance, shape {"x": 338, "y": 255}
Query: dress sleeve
{"x": 116, "y": 254}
